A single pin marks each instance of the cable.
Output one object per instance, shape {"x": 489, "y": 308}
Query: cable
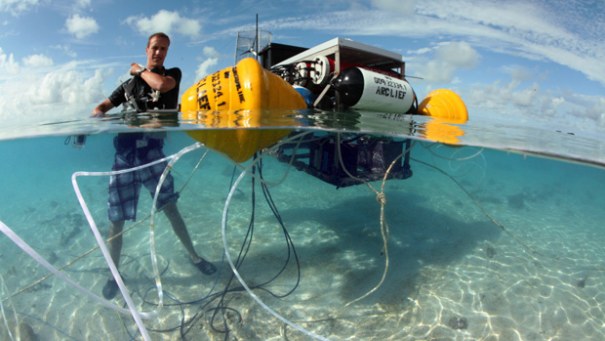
{"x": 289, "y": 242}
{"x": 238, "y": 275}
{"x": 38, "y": 258}
{"x": 381, "y": 198}
{"x": 73, "y": 261}
{"x": 476, "y": 203}
{"x": 8, "y": 330}
{"x": 298, "y": 138}
{"x": 137, "y": 316}
{"x": 186, "y": 325}
{"x": 255, "y": 167}
{"x": 291, "y": 252}
{"x": 154, "y": 263}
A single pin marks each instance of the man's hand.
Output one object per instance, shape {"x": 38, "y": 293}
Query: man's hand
{"x": 136, "y": 69}
{"x": 101, "y": 109}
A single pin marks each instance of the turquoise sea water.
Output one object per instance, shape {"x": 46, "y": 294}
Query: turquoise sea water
{"x": 484, "y": 242}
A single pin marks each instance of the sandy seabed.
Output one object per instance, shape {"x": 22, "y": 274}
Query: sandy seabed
{"x": 509, "y": 250}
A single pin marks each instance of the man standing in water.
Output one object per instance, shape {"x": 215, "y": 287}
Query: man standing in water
{"x": 151, "y": 87}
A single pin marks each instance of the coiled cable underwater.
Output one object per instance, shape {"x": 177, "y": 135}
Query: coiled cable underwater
{"x": 136, "y": 315}
{"x": 255, "y": 165}
{"x": 235, "y": 265}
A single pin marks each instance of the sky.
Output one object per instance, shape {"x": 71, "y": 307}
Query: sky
{"x": 520, "y": 61}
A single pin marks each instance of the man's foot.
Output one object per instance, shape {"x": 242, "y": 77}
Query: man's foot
{"x": 110, "y": 289}
{"x": 205, "y": 267}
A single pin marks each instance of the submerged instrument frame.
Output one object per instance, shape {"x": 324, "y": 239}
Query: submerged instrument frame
{"x": 339, "y": 159}
{"x": 348, "y": 159}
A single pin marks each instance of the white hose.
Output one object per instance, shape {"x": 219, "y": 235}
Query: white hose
{"x": 136, "y": 315}
{"x": 4, "y": 290}
{"x": 112, "y": 266}
{"x": 239, "y": 277}
{"x": 154, "y": 259}
{"x": 38, "y": 258}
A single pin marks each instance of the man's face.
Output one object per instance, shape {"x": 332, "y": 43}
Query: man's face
{"x": 156, "y": 52}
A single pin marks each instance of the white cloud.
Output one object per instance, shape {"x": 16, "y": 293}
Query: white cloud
{"x": 70, "y": 91}
{"x": 420, "y": 51}
{"x": 524, "y": 102}
{"x": 449, "y": 57}
{"x": 167, "y": 22}
{"x": 402, "y": 7}
{"x": 210, "y": 51}
{"x": 81, "y": 27}
{"x": 16, "y": 7}
{"x": 67, "y": 87}
{"x": 83, "y": 3}
{"x": 532, "y": 30}
{"x": 211, "y": 60}
{"x": 518, "y": 73}
{"x": 66, "y": 49}
{"x": 8, "y": 64}
{"x": 37, "y": 60}
{"x": 459, "y": 54}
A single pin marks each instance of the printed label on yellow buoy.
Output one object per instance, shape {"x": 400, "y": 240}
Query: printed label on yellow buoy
{"x": 238, "y": 97}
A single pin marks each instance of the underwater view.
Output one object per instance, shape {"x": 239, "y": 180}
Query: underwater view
{"x": 302, "y": 170}
{"x": 478, "y": 243}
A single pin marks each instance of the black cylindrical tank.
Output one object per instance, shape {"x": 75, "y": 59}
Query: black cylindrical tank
{"x": 363, "y": 89}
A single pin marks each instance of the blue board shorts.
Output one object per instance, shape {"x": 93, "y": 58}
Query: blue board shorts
{"x": 132, "y": 150}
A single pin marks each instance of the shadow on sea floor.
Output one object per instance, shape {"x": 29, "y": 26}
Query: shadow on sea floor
{"x": 446, "y": 257}
{"x": 419, "y": 236}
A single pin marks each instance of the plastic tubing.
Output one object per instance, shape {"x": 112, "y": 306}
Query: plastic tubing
{"x": 136, "y": 315}
{"x": 8, "y": 330}
{"x": 38, "y": 258}
{"x": 237, "y": 274}
{"x": 154, "y": 259}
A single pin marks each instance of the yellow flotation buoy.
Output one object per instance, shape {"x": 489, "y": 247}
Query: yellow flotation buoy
{"x": 238, "y": 97}
{"x": 443, "y": 131}
{"x": 444, "y": 104}
{"x": 446, "y": 108}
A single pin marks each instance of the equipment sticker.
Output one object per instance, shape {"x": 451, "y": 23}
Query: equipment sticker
{"x": 388, "y": 88}
{"x": 202, "y": 96}
{"x": 238, "y": 86}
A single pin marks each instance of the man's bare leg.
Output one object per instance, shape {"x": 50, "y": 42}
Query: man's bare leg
{"x": 179, "y": 227}
{"x": 115, "y": 249}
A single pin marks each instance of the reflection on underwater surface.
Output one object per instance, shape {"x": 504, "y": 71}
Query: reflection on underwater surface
{"x": 482, "y": 244}
{"x": 539, "y": 138}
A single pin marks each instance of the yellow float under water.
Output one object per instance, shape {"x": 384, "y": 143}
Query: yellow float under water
{"x": 238, "y": 97}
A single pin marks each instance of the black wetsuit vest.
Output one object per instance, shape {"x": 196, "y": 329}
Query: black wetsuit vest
{"x": 136, "y": 95}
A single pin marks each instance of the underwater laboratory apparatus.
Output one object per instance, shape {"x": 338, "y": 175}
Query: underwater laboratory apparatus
{"x": 340, "y": 76}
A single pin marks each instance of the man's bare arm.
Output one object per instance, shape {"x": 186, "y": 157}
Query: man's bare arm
{"x": 154, "y": 80}
{"x": 102, "y": 108}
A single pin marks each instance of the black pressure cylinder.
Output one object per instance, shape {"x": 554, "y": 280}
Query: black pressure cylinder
{"x": 349, "y": 85}
{"x": 363, "y": 89}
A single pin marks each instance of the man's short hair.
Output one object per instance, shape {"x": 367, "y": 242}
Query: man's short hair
{"x": 158, "y": 34}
